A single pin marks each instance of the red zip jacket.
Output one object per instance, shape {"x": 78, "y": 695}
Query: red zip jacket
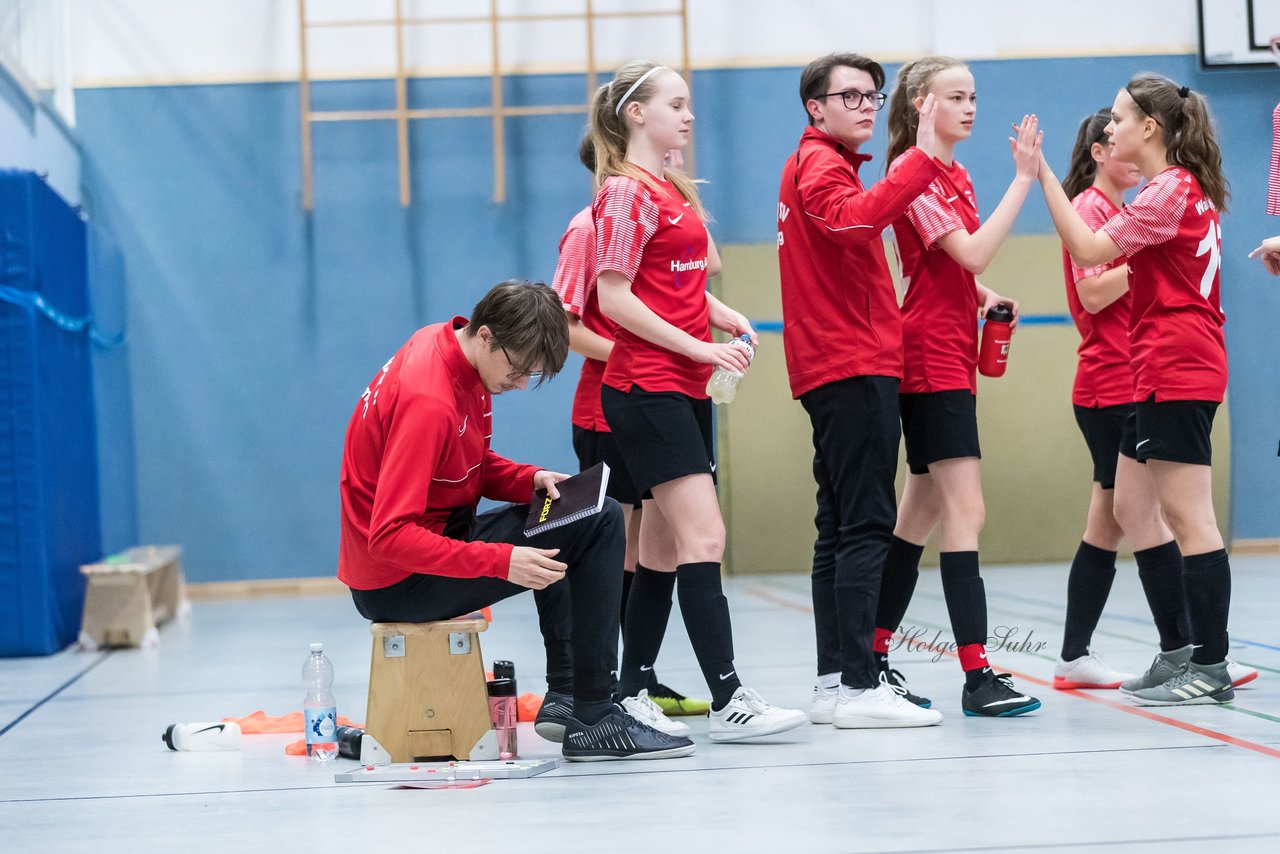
{"x": 840, "y": 315}
{"x": 417, "y": 449}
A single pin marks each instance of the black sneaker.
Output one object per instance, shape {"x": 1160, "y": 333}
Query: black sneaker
{"x": 995, "y": 697}
{"x": 897, "y": 683}
{"x": 619, "y": 736}
{"x": 556, "y": 712}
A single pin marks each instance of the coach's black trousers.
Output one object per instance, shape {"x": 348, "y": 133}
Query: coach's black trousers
{"x": 855, "y": 457}
{"x": 578, "y": 616}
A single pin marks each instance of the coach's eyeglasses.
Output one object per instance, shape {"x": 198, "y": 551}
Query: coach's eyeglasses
{"x": 515, "y": 375}
{"x": 853, "y": 98}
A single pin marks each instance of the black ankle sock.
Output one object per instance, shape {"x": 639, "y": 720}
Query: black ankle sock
{"x": 1160, "y": 571}
{"x": 973, "y": 678}
{"x": 882, "y": 660}
{"x": 706, "y": 619}
{"x": 560, "y": 680}
{"x": 1088, "y": 586}
{"x": 627, "y": 579}
{"x": 648, "y": 608}
{"x": 591, "y": 711}
{"x": 901, "y": 571}
{"x": 1207, "y": 578}
{"x": 965, "y": 595}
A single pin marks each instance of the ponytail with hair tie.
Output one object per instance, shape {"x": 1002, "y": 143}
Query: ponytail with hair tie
{"x": 1188, "y": 134}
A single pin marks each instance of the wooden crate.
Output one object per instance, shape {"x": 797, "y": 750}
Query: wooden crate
{"x": 128, "y": 595}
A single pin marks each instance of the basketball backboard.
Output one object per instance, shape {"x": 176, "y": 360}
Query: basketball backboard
{"x": 1238, "y": 33}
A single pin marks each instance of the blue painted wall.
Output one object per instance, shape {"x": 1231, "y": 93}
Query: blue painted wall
{"x": 254, "y": 327}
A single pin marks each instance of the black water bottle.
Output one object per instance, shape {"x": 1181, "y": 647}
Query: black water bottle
{"x": 349, "y": 740}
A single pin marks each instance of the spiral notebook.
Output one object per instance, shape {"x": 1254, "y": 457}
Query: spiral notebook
{"x": 580, "y": 496}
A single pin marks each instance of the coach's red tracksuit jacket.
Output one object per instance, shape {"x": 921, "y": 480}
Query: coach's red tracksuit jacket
{"x": 840, "y": 314}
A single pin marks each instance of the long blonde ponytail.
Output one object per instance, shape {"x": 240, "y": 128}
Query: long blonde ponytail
{"x": 609, "y": 130}
{"x": 914, "y": 80}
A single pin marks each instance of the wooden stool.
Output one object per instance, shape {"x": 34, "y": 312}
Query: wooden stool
{"x": 129, "y": 594}
{"x": 427, "y": 693}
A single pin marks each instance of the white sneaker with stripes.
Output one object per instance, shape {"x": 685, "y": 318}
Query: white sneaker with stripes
{"x": 748, "y": 716}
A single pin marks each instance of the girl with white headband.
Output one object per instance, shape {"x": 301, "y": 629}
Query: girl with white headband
{"x": 653, "y": 255}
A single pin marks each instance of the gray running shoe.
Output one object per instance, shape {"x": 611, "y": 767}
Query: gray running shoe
{"x": 1165, "y": 665}
{"x": 1193, "y": 685}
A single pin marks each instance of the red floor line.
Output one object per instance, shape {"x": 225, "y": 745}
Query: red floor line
{"x": 1138, "y": 711}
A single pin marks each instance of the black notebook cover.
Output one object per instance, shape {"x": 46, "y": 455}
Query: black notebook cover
{"x": 580, "y": 496}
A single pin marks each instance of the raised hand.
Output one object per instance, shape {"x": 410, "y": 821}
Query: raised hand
{"x": 926, "y": 136}
{"x": 1026, "y": 147}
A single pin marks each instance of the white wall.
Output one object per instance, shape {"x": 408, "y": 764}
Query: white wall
{"x": 133, "y": 42}
{"x": 32, "y": 137}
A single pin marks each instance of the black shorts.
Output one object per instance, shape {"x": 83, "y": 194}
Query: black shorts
{"x": 662, "y": 435}
{"x": 938, "y": 425}
{"x": 1103, "y": 427}
{"x": 1175, "y": 431}
{"x": 594, "y": 446}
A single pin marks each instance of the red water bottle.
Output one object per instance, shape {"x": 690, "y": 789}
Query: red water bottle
{"x": 997, "y": 333}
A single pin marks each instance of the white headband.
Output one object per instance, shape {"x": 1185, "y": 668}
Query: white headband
{"x": 634, "y": 86}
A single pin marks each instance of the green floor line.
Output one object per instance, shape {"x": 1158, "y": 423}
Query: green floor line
{"x": 1266, "y": 717}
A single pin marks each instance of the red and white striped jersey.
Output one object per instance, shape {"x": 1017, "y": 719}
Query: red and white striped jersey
{"x": 657, "y": 241}
{"x": 940, "y": 307}
{"x": 575, "y": 282}
{"x": 1173, "y": 238}
{"x": 1104, "y": 376}
{"x": 1273, "y": 185}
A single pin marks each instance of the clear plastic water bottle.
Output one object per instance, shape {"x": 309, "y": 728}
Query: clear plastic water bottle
{"x": 723, "y": 385}
{"x": 319, "y": 709}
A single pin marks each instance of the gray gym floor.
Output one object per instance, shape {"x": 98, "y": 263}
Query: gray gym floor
{"x": 85, "y": 770}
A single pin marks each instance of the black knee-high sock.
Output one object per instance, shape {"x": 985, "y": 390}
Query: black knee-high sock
{"x": 967, "y": 607}
{"x": 1160, "y": 571}
{"x": 627, "y": 579}
{"x": 648, "y": 607}
{"x": 706, "y": 619}
{"x": 901, "y": 571}
{"x": 1088, "y": 586}
{"x": 1207, "y": 579}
